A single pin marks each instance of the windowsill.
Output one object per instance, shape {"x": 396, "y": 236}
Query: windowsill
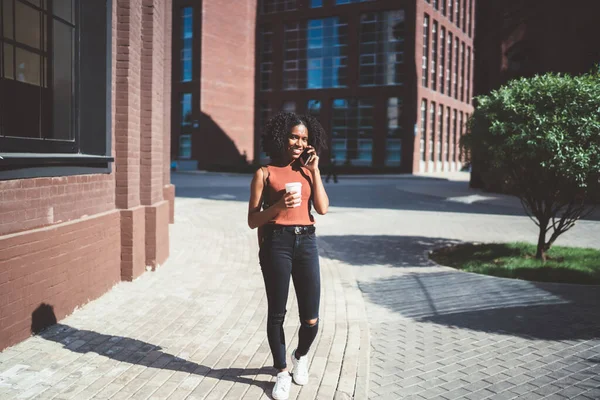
{"x": 8, "y": 159}
{"x": 36, "y": 165}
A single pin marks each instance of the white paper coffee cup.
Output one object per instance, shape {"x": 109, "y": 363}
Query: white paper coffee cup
{"x": 294, "y": 187}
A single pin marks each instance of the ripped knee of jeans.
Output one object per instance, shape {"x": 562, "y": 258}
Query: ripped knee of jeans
{"x": 310, "y": 323}
{"x": 276, "y": 318}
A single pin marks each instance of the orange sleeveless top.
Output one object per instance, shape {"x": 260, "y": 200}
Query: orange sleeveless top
{"x": 275, "y": 190}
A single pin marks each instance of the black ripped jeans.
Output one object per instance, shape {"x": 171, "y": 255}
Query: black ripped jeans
{"x": 284, "y": 254}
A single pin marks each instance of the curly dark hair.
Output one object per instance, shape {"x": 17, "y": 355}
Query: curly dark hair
{"x": 277, "y": 130}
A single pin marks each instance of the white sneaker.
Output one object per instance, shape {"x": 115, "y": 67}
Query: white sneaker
{"x": 300, "y": 372}
{"x": 281, "y": 390}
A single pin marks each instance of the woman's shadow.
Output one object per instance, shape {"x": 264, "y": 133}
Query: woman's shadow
{"x": 133, "y": 351}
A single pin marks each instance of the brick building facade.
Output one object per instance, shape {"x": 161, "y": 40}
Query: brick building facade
{"x": 85, "y": 189}
{"x": 366, "y": 69}
{"x": 356, "y": 65}
{"x": 213, "y": 83}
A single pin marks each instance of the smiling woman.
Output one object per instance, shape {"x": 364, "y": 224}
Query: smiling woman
{"x": 282, "y": 194}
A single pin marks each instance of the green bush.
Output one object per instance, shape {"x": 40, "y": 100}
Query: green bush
{"x": 540, "y": 137}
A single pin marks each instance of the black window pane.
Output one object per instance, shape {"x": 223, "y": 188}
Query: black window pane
{"x": 63, "y": 9}
{"x": 8, "y": 60}
{"x": 28, "y": 67}
{"x": 37, "y": 3}
{"x": 187, "y": 38}
{"x": 20, "y": 109}
{"x": 7, "y": 18}
{"x": 28, "y": 26}
{"x": 62, "y": 81}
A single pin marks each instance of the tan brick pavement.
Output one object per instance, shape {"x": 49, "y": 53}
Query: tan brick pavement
{"x": 393, "y": 324}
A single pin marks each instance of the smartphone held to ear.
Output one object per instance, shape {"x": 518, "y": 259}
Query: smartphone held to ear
{"x": 304, "y": 157}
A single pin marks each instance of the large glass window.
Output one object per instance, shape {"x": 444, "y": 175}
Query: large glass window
{"x": 457, "y": 13}
{"x": 315, "y": 54}
{"x": 266, "y": 57}
{"x": 468, "y": 83}
{"x": 265, "y": 113}
{"x": 186, "y": 112}
{"x": 442, "y": 67}
{"x": 447, "y": 140}
{"x": 423, "y": 128}
{"x": 393, "y": 144}
{"x": 454, "y": 133}
{"x": 462, "y": 71}
{"x": 316, "y": 3}
{"x": 440, "y": 134}
{"x": 289, "y": 106}
{"x": 456, "y": 65}
{"x": 340, "y": 2}
{"x": 352, "y": 131}
{"x": 187, "y": 38}
{"x": 53, "y": 87}
{"x": 450, "y": 9}
{"x": 464, "y": 16}
{"x": 432, "y": 109}
{"x": 425, "y": 63}
{"x": 434, "y": 49}
{"x": 381, "y": 47}
{"x": 275, "y": 6}
{"x": 314, "y": 108}
{"x": 37, "y": 77}
{"x": 449, "y": 66}
{"x": 470, "y": 17}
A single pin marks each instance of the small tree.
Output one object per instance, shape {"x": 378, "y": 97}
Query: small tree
{"x": 540, "y": 137}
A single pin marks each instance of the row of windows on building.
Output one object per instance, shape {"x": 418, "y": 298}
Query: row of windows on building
{"x": 446, "y": 65}
{"x": 457, "y": 11}
{"x": 36, "y": 71}
{"x": 315, "y": 53}
{"x": 440, "y": 132}
{"x": 352, "y": 129}
{"x": 276, "y": 6}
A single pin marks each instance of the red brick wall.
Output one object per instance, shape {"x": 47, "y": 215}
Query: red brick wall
{"x": 436, "y": 95}
{"x": 152, "y": 97}
{"x": 168, "y": 12}
{"x": 127, "y": 116}
{"x": 227, "y": 82}
{"x": 157, "y": 234}
{"x": 133, "y": 236}
{"x": 32, "y": 203}
{"x": 64, "y": 265}
{"x": 65, "y": 241}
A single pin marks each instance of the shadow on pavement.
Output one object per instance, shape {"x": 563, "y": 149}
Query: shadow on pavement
{"x": 372, "y": 193}
{"x": 458, "y": 299}
{"x": 396, "y": 251}
{"x": 372, "y": 197}
{"x": 133, "y": 351}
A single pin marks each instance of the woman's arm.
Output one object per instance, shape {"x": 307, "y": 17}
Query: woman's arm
{"x": 320, "y": 198}
{"x": 256, "y": 217}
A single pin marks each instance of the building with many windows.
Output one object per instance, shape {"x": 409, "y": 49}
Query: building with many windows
{"x": 213, "y": 83}
{"x": 391, "y": 80}
{"x": 365, "y": 68}
{"x": 85, "y": 193}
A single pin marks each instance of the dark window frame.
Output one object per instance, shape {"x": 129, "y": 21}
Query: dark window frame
{"x": 90, "y": 149}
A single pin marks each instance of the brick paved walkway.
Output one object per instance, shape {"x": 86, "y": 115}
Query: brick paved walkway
{"x": 393, "y": 324}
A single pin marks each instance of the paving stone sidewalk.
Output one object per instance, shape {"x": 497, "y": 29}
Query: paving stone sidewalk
{"x": 193, "y": 329}
{"x": 393, "y": 324}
